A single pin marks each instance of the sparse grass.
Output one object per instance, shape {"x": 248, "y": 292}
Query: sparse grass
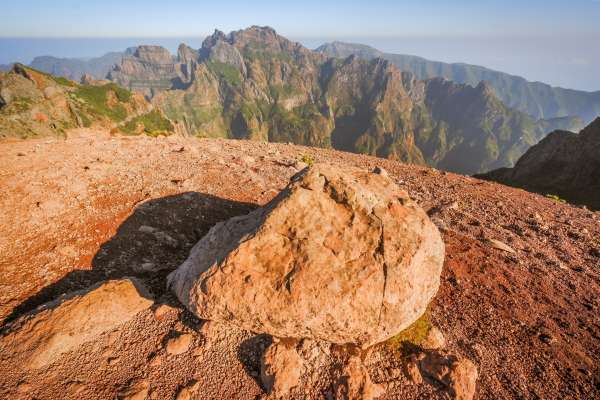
{"x": 556, "y": 198}
{"x": 19, "y": 105}
{"x": 255, "y": 52}
{"x": 63, "y": 81}
{"x": 412, "y": 336}
{"x": 282, "y": 91}
{"x": 225, "y": 71}
{"x": 154, "y": 124}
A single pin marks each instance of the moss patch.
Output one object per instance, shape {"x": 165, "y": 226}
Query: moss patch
{"x": 411, "y": 337}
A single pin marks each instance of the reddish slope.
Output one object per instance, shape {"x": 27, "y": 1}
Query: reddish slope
{"x": 530, "y": 320}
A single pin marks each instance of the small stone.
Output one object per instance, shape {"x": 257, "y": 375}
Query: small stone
{"x": 189, "y": 392}
{"x": 380, "y": 171}
{"x": 546, "y": 337}
{"x": 179, "y": 344}
{"x": 355, "y": 382}
{"x": 458, "y": 375}
{"x": 166, "y": 239}
{"x": 412, "y": 371}
{"x": 434, "y": 339}
{"x": 300, "y": 165}
{"x": 155, "y": 361}
{"x": 500, "y": 246}
{"x": 281, "y": 368}
{"x": 147, "y": 229}
{"x": 162, "y": 311}
{"x": 149, "y": 266}
{"x": 136, "y": 391}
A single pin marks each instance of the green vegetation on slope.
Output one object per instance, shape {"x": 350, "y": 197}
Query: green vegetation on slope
{"x": 225, "y": 71}
{"x": 152, "y": 124}
{"x": 96, "y": 98}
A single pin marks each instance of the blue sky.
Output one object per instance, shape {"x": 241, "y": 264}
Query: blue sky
{"x": 299, "y": 18}
{"x": 554, "y": 40}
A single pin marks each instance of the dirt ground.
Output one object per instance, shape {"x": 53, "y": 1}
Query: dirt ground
{"x": 71, "y": 212}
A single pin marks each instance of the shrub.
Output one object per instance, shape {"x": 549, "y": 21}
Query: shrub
{"x": 307, "y": 159}
{"x": 412, "y": 336}
{"x": 556, "y": 198}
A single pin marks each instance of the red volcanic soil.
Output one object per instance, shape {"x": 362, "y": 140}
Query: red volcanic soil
{"x": 70, "y": 216}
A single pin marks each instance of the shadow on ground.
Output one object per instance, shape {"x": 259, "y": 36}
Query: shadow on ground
{"x": 152, "y": 242}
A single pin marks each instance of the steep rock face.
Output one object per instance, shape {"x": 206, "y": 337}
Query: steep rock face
{"x": 149, "y": 68}
{"x": 255, "y": 84}
{"x": 534, "y": 98}
{"x": 341, "y": 256}
{"x": 563, "y": 163}
{"x": 472, "y": 130}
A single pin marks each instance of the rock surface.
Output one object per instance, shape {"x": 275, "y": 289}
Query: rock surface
{"x": 458, "y": 375}
{"x": 66, "y": 324}
{"x": 293, "y": 369}
{"x": 339, "y": 255}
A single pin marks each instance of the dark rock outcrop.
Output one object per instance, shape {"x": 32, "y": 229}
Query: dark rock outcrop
{"x": 563, "y": 163}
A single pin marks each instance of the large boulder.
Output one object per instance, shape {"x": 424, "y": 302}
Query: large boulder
{"x": 340, "y": 255}
{"x": 65, "y": 324}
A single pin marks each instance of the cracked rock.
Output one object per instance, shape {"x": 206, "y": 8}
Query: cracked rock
{"x": 341, "y": 255}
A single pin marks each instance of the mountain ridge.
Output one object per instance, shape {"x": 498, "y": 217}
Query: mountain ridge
{"x": 256, "y": 84}
{"x": 538, "y": 99}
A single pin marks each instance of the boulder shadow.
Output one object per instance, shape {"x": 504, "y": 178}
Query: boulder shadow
{"x": 250, "y": 353}
{"x": 149, "y": 244}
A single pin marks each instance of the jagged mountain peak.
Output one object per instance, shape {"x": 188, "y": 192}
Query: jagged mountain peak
{"x": 255, "y": 39}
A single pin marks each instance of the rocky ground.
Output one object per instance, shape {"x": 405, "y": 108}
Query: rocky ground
{"x": 519, "y": 294}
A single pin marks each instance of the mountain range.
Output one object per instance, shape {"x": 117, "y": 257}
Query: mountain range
{"x": 534, "y": 98}
{"x": 537, "y": 99}
{"x": 256, "y": 84}
{"x": 563, "y": 164}
{"x": 75, "y": 68}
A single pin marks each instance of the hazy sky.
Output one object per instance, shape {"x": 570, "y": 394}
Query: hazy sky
{"x": 557, "y": 41}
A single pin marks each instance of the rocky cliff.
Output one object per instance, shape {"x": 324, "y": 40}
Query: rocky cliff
{"x": 564, "y": 163}
{"x": 256, "y": 84}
